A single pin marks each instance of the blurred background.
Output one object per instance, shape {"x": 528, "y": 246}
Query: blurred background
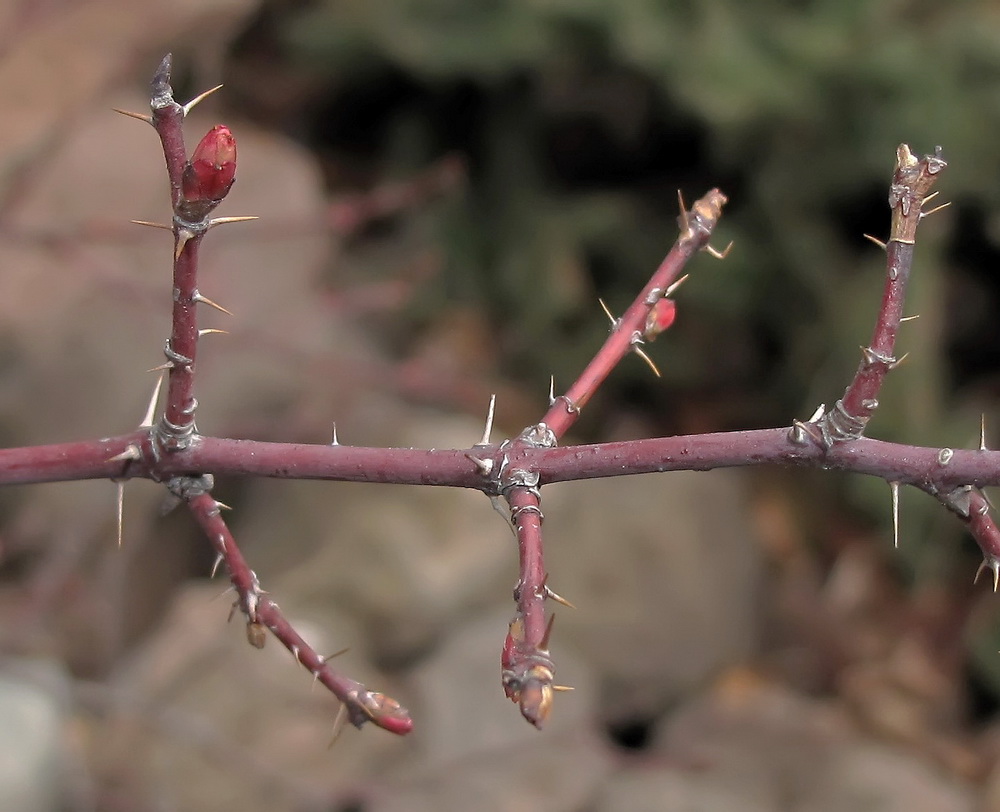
{"x": 446, "y": 188}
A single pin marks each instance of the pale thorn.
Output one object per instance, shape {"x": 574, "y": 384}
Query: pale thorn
{"x": 338, "y": 724}
{"x": 187, "y": 108}
{"x": 334, "y": 441}
{"x": 500, "y": 506}
{"x": 140, "y": 116}
{"x": 982, "y": 432}
{"x": 876, "y": 240}
{"x": 484, "y": 466}
{"x": 685, "y": 223}
{"x": 130, "y": 453}
{"x": 215, "y": 567}
{"x": 604, "y": 307}
{"x": 166, "y": 366}
{"x": 490, "y": 413}
{"x": 223, "y": 221}
{"x": 295, "y": 650}
{"x": 909, "y": 318}
{"x": 120, "y": 511}
{"x": 649, "y": 361}
{"x": 898, "y": 362}
{"x": 817, "y": 414}
{"x": 715, "y": 252}
{"x": 543, "y": 644}
{"x": 931, "y": 196}
{"x": 894, "y": 487}
{"x": 552, "y": 390}
{"x": 560, "y": 688}
{"x": 550, "y": 593}
{"x": 222, "y": 505}
{"x": 994, "y": 567}
{"x": 147, "y": 419}
{"x": 182, "y": 237}
{"x": 674, "y": 285}
{"x": 200, "y": 299}
{"x": 151, "y": 224}
{"x": 936, "y": 209}
{"x": 210, "y": 331}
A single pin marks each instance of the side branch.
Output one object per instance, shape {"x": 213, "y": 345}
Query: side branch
{"x": 910, "y": 188}
{"x": 635, "y": 326}
{"x": 263, "y": 613}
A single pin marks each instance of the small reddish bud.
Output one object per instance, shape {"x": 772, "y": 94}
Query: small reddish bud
{"x": 210, "y": 173}
{"x": 660, "y": 317}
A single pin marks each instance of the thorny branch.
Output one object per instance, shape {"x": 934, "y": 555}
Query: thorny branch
{"x": 171, "y": 451}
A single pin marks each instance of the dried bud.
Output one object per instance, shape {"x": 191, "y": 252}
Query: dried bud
{"x": 660, "y": 317}
{"x": 256, "y": 634}
{"x": 210, "y": 173}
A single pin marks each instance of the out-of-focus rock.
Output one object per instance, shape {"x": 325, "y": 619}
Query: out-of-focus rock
{"x": 760, "y": 742}
{"x": 666, "y": 577}
{"x": 33, "y": 706}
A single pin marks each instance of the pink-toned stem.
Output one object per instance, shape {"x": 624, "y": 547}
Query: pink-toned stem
{"x": 177, "y": 423}
{"x": 526, "y": 669}
{"x": 910, "y": 187}
{"x": 629, "y": 331}
{"x": 261, "y": 612}
{"x": 168, "y": 118}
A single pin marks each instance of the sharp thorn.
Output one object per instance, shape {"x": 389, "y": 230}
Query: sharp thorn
{"x": 223, "y": 221}
{"x": 612, "y": 319}
{"x": 982, "y": 432}
{"x": 215, "y": 566}
{"x": 222, "y": 505}
{"x": 876, "y": 240}
{"x": 552, "y": 390}
{"x": 500, "y": 506}
{"x": 649, "y": 361}
{"x": 338, "y": 725}
{"x": 120, "y": 510}
{"x": 208, "y": 331}
{"x": 151, "y": 224}
{"x": 484, "y": 466}
{"x": 130, "y": 453}
{"x": 936, "y": 209}
{"x": 490, "y": 412}
{"x": 899, "y": 362}
{"x": 543, "y": 644}
{"x": 909, "y": 318}
{"x": 715, "y": 252}
{"x": 685, "y": 223}
{"x": 205, "y": 300}
{"x": 147, "y": 419}
{"x": 182, "y": 236}
{"x": 334, "y": 441}
{"x": 140, "y": 116}
{"x": 894, "y": 487}
{"x": 561, "y": 688}
{"x": 187, "y": 108}
{"x": 931, "y": 196}
{"x": 675, "y": 284}
{"x": 558, "y": 598}
{"x": 816, "y": 415}
{"x": 168, "y": 365}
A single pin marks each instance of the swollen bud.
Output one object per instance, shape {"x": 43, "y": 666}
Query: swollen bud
{"x": 660, "y": 317}
{"x": 210, "y": 173}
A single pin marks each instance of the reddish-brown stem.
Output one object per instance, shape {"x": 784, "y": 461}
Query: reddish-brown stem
{"x": 628, "y": 331}
{"x": 168, "y": 116}
{"x": 177, "y": 423}
{"x": 911, "y": 184}
{"x": 526, "y": 668}
{"x": 260, "y": 611}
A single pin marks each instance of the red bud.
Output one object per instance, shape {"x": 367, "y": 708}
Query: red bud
{"x": 210, "y": 173}
{"x": 660, "y": 317}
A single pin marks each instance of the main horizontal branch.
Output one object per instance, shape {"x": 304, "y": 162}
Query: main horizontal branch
{"x": 928, "y": 468}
